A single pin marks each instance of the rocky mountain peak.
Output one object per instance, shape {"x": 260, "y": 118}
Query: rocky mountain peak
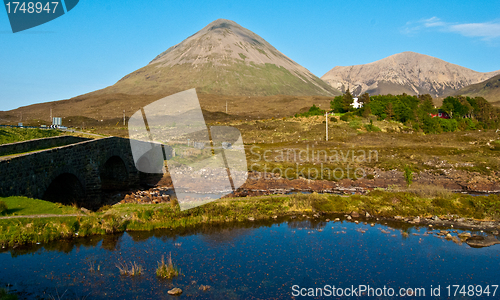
{"x": 406, "y": 72}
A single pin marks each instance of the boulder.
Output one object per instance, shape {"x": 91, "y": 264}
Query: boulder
{"x": 465, "y": 234}
{"x": 479, "y": 241}
{"x": 175, "y": 291}
{"x": 355, "y": 214}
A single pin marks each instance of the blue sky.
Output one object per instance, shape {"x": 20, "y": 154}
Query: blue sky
{"x": 99, "y": 42}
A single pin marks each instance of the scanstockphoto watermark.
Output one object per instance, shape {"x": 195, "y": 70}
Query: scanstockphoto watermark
{"x": 361, "y": 291}
{"x": 329, "y": 164}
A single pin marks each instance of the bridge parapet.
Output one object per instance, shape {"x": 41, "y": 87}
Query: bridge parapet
{"x": 39, "y": 144}
{"x": 72, "y": 173}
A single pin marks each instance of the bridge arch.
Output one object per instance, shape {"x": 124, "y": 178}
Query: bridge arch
{"x": 114, "y": 173}
{"x": 65, "y": 188}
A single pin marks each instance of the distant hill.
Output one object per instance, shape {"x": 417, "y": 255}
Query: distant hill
{"x": 97, "y": 110}
{"x": 406, "y": 72}
{"x": 488, "y": 89}
{"x": 223, "y": 58}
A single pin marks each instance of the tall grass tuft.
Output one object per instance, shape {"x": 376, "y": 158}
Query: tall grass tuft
{"x": 167, "y": 270}
{"x": 5, "y": 295}
{"x": 430, "y": 191}
{"x": 134, "y": 270}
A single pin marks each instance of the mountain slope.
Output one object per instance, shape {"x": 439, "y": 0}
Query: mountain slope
{"x": 488, "y": 89}
{"x": 223, "y": 58}
{"x": 406, "y": 72}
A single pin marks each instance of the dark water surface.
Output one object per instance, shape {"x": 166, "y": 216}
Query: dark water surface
{"x": 250, "y": 261}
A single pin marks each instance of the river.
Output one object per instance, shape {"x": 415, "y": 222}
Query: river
{"x": 253, "y": 260}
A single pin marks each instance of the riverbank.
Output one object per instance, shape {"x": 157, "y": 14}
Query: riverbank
{"x": 443, "y": 210}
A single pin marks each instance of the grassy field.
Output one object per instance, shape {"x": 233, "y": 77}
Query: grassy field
{"x": 12, "y": 135}
{"x": 396, "y": 144}
{"x": 22, "y": 206}
{"x": 410, "y": 203}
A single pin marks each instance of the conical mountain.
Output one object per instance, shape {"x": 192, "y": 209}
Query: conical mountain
{"x": 406, "y": 72}
{"x": 223, "y": 58}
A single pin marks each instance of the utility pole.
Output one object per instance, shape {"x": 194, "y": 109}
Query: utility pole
{"x": 50, "y": 116}
{"x": 123, "y": 117}
{"x": 326, "y": 117}
{"x": 226, "y": 107}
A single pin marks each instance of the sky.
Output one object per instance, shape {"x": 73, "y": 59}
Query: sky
{"x": 98, "y": 42}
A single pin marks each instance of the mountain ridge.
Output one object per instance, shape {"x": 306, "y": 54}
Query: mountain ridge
{"x": 488, "y": 89}
{"x": 407, "y": 72}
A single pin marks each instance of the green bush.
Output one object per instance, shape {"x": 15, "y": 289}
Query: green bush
{"x": 3, "y": 208}
{"x": 346, "y": 117}
{"x": 432, "y": 125}
{"x": 355, "y": 124}
{"x": 333, "y": 119}
{"x": 313, "y": 111}
{"x": 448, "y": 125}
{"x": 466, "y": 124}
{"x": 372, "y": 128}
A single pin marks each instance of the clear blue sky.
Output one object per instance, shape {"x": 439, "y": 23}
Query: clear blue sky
{"x": 99, "y": 42}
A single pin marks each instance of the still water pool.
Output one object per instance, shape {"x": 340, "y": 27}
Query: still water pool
{"x": 267, "y": 260}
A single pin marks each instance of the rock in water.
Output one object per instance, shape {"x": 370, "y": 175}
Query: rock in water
{"x": 175, "y": 291}
{"x": 478, "y": 241}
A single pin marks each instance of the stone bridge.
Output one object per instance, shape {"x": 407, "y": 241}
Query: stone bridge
{"x": 73, "y": 170}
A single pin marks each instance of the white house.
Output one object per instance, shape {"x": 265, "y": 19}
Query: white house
{"x": 356, "y": 104}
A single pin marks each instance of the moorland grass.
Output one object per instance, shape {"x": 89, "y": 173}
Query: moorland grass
{"x": 139, "y": 217}
{"x": 13, "y": 135}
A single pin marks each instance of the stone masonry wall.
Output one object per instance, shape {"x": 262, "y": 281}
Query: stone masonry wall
{"x": 38, "y": 144}
{"x": 31, "y": 174}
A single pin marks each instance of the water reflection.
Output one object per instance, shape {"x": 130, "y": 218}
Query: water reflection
{"x": 250, "y": 260}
